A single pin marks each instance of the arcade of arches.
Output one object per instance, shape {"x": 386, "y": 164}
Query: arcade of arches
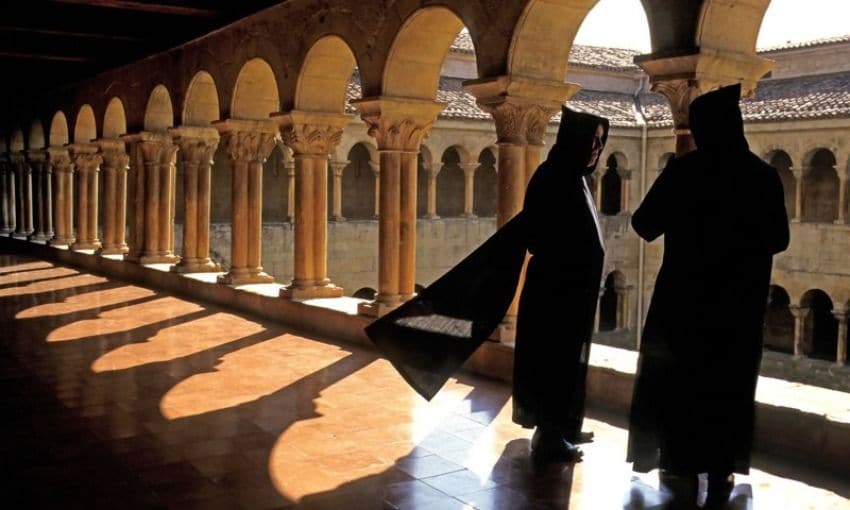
{"x": 287, "y": 165}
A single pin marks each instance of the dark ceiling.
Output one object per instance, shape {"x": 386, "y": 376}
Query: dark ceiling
{"x": 45, "y": 44}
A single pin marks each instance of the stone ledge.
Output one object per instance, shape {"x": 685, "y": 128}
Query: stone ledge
{"x": 800, "y": 422}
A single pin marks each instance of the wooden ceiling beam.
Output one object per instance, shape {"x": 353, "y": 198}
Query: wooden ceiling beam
{"x": 19, "y": 55}
{"x": 68, "y": 33}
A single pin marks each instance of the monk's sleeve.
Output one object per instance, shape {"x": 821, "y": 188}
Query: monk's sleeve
{"x": 778, "y": 235}
{"x": 650, "y": 219}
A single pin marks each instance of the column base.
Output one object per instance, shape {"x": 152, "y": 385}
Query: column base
{"x": 339, "y": 218}
{"x": 245, "y": 277}
{"x": 186, "y": 266}
{"x": 61, "y": 241}
{"x": 469, "y": 216}
{"x": 39, "y": 236}
{"x": 86, "y": 245}
{"x": 160, "y": 258}
{"x": 379, "y": 307}
{"x": 431, "y": 217}
{"x": 840, "y": 222}
{"x": 20, "y": 235}
{"x": 330, "y": 290}
{"x": 114, "y": 250}
{"x": 6, "y": 231}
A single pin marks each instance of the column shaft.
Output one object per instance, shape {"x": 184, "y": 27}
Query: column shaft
{"x": 841, "y": 355}
{"x": 798, "y": 194}
{"x": 337, "y": 167}
{"x": 431, "y": 204}
{"x": 389, "y": 228}
{"x": 63, "y": 168}
{"x": 20, "y": 196}
{"x": 304, "y": 241}
{"x": 800, "y": 315}
{"x": 47, "y": 200}
{"x": 468, "y": 190}
{"x": 290, "y": 190}
{"x": 842, "y": 201}
{"x": 407, "y": 225}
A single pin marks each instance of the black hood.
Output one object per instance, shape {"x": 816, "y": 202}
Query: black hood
{"x": 716, "y": 120}
{"x": 575, "y": 140}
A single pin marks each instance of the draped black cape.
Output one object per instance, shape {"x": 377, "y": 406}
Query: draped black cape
{"x": 428, "y": 338}
{"x": 722, "y": 213}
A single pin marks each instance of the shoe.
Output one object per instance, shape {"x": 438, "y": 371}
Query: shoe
{"x": 551, "y": 447}
{"x": 582, "y": 438}
{"x": 719, "y": 489}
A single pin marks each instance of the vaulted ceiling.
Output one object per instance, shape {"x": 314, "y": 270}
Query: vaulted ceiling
{"x": 45, "y": 44}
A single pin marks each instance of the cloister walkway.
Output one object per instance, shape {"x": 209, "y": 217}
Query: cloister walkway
{"x": 118, "y": 396}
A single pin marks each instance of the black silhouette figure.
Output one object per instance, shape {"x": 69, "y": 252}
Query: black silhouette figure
{"x": 722, "y": 213}
{"x": 430, "y": 337}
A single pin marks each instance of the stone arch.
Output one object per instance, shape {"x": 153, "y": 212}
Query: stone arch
{"x": 450, "y": 183}
{"x": 820, "y": 187}
{"x": 115, "y": 119}
{"x": 781, "y": 161}
{"x": 778, "y": 321}
{"x": 820, "y": 330}
{"x": 325, "y": 75}
{"x": 424, "y": 162}
{"x": 730, "y": 25}
{"x": 159, "y": 113}
{"x": 36, "y": 138}
{"x": 16, "y": 141}
{"x": 58, "y": 130}
{"x": 419, "y": 49}
{"x": 255, "y": 95}
{"x": 85, "y": 127}
{"x": 358, "y": 183}
{"x": 367, "y": 293}
{"x": 543, "y": 37}
{"x": 612, "y": 184}
{"x": 201, "y": 106}
{"x": 486, "y": 187}
{"x": 609, "y": 302}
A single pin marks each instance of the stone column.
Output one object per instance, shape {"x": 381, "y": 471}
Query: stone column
{"x": 623, "y": 306}
{"x": 597, "y": 318}
{"x": 625, "y": 189}
{"x": 521, "y": 110}
{"x": 683, "y": 78}
{"x": 801, "y": 315}
{"x": 113, "y": 172}
{"x": 841, "y": 315}
{"x": 433, "y": 172}
{"x": 248, "y": 143}
{"x": 799, "y": 177}
{"x": 312, "y": 137}
{"x": 47, "y": 198}
{"x": 151, "y": 191}
{"x": 197, "y": 149}
{"x": 398, "y": 126}
{"x": 6, "y": 202}
{"x": 376, "y": 172}
{"x": 468, "y": 188}
{"x": 337, "y": 167}
{"x": 842, "y": 198}
{"x": 37, "y": 160}
{"x": 290, "y": 189}
{"x": 87, "y": 162}
{"x": 23, "y": 195}
{"x": 63, "y": 213}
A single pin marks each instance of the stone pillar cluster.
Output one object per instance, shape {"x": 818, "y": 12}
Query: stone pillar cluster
{"x": 87, "y": 162}
{"x": 63, "y": 172}
{"x": 113, "y": 171}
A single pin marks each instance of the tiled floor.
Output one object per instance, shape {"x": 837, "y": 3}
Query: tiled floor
{"x": 115, "y": 396}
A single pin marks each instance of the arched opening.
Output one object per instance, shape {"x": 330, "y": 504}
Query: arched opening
{"x": 778, "y": 322}
{"x": 358, "y": 184}
{"x": 419, "y": 50}
{"x": 820, "y": 188}
{"x": 424, "y": 161}
{"x": 159, "y": 114}
{"x": 324, "y": 78}
{"x": 450, "y": 185}
{"x": 486, "y": 187}
{"x": 36, "y": 138}
{"x": 367, "y": 293}
{"x": 255, "y": 95}
{"x": 275, "y": 186}
{"x": 821, "y": 327}
{"x": 58, "y": 130}
{"x": 201, "y": 106}
{"x": 612, "y": 188}
{"x": 782, "y": 162}
{"x": 85, "y": 127}
{"x": 16, "y": 142}
{"x": 609, "y": 302}
{"x": 114, "y": 120}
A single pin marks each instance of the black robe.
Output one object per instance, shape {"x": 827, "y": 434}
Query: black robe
{"x": 428, "y": 338}
{"x": 722, "y": 213}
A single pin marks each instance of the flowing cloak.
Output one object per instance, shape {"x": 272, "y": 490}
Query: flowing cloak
{"x": 428, "y": 338}
{"x": 722, "y": 213}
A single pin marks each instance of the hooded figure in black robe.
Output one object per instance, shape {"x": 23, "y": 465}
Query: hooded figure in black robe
{"x": 429, "y": 337}
{"x": 722, "y": 213}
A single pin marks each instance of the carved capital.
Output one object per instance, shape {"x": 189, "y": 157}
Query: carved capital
{"x": 398, "y": 124}
{"x": 247, "y": 141}
{"x": 37, "y": 156}
{"x": 314, "y": 134}
{"x": 337, "y": 167}
{"x": 679, "y": 94}
{"x": 114, "y": 153}
{"x": 87, "y": 161}
{"x": 197, "y": 144}
{"x": 60, "y": 160}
